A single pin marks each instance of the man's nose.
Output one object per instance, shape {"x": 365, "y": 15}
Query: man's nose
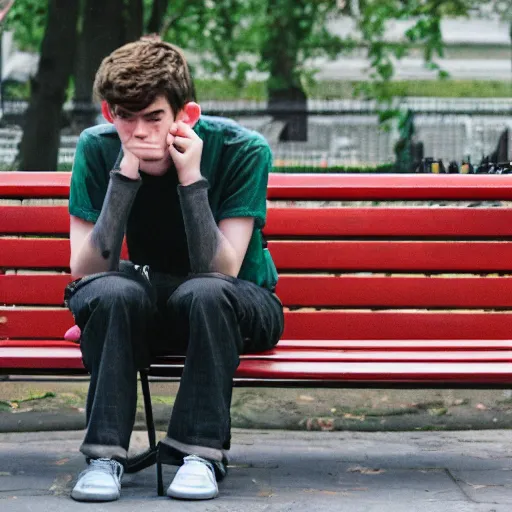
{"x": 140, "y": 131}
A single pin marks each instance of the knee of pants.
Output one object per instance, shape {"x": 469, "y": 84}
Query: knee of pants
{"x": 109, "y": 291}
{"x": 209, "y": 292}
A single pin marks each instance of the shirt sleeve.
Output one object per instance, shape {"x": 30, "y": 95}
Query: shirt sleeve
{"x": 89, "y": 180}
{"x": 245, "y": 188}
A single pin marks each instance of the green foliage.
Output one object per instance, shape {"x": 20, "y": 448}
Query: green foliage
{"x": 280, "y": 37}
{"x": 209, "y": 89}
{"x": 425, "y": 32}
{"x": 379, "y": 169}
{"x": 27, "y": 19}
{"x": 341, "y": 169}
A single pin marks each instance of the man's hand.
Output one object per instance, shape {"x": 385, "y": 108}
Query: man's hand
{"x": 129, "y": 165}
{"x": 185, "y": 148}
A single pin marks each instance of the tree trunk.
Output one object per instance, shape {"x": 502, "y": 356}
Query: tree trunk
{"x": 103, "y": 31}
{"x": 287, "y": 101}
{"x": 289, "y": 104}
{"x": 510, "y": 35}
{"x": 157, "y": 16}
{"x": 39, "y": 145}
{"x": 134, "y": 20}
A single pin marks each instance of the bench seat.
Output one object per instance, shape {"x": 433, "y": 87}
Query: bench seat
{"x": 375, "y": 295}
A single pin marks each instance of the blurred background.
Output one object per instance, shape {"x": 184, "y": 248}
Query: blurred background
{"x": 334, "y": 85}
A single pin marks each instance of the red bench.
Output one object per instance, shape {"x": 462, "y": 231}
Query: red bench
{"x": 380, "y": 296}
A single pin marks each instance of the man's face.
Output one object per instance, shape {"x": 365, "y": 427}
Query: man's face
{"x": 144, "y": 133}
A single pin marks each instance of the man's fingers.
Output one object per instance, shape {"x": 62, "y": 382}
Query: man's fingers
{"x": 183, "y": 130}
{"x": 182, "y": 143}
{"x": 176, "y": 154}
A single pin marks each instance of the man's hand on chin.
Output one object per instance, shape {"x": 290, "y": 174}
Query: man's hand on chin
{"x": 185, "y": 148}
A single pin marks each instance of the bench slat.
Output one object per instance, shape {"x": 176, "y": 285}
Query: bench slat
{"x": 303, "y": 290}
{"x": 328, "y": 222}
{"x": 406, "y": 373}
{"x": 41, "y": 358}
{"x": 34, "y": 289}
{"x": 35, "y": 184}
{"x": 44, "y": 360}
{"x": 388, "y": 256}
{"x": 36, "y": 253}
{"x": 304, "y": 255}
{"x": 34, "y": 219}
{"x": 330, "y": 345}
{"x": 389, "y": 222}
{"x": 311, "y": 355}
{"x": 395, "y": 345}
{"x": 395, "y": 291}
{"x": 310, "y": 186}
{"x": 389, "y": 186}
{"x": 319, "y": 356}
{"x": 322, "y": 325}
{"x": 396, "y": 325}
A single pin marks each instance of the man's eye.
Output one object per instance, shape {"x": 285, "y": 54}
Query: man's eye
{"x": 123, "y": 115}
{"x": 154, "y": 119}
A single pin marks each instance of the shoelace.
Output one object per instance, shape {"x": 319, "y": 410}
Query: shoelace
{"x": 108, "y": 466}
{"x": 218, "y": 469}
{"x": 195, "y": 458}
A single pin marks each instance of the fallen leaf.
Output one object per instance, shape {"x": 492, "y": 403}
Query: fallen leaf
{"x": 440, "y": 411}
{"x": 365, "y": 471}
{"x": 320, "y": 491}
{"x": 326, "y": 424}
{"x": 349, "y": 416}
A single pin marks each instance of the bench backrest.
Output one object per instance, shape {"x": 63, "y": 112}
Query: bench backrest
{"x": 352, "y": 265}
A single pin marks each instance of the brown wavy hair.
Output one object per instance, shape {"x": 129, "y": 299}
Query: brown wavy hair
{"x": 135, "y": 74}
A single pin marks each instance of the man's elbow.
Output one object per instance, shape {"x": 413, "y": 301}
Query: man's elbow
{"x": 80, "y": 268}
{"x": 76, "y": 269}
{"x": 228, "y": 262}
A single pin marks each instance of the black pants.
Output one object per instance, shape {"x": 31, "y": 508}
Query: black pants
{"x": 126, "y": 318}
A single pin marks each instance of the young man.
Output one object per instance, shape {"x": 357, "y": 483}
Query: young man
{"x": 189, "y": 193}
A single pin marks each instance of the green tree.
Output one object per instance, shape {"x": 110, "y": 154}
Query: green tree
{"x": 64, "y": 51}
{"x": 295, "y": 32}
{"x": 425, "y": 32}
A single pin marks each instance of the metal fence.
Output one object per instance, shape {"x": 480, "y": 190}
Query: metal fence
{"x": 340, "y": 132}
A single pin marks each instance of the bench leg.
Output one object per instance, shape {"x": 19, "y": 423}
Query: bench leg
{"x": 148, "y": 409}
{"x": 148, "y": 457}
{"x": 159, "y": 475}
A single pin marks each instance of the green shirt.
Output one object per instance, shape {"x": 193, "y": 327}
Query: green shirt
{"x": 235, "y": 161}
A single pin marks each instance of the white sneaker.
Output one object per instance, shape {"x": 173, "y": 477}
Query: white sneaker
{"x": 195, "y": 480}
{"x": 101, "y": 481}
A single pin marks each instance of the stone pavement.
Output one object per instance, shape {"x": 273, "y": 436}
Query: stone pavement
{"x": 275, "y": 470}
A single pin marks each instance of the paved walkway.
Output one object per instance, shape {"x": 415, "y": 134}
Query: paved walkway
{"x": 281, "y": 471}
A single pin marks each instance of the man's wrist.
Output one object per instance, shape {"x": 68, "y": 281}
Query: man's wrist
{"x": 129, "y": 167}
{"x": 190, "y": 178}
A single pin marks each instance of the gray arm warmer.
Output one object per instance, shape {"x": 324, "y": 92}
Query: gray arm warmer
{"x": 203, "y": 235}
{"x": 108, "y": 232}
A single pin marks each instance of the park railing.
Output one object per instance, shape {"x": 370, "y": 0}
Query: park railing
{"x": 339, "y": 132}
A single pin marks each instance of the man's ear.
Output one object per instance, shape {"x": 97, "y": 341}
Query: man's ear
{"x": 190, "y": 113}
{"x": 107, "y": 113}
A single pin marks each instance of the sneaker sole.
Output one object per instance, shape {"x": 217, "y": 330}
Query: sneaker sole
{"x": 184, "y": 494}
{"x": 87, "y": 496}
